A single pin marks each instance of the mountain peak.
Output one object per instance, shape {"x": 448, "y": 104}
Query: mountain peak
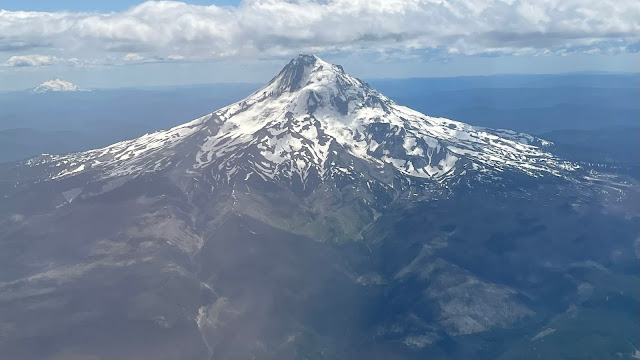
{"x": 313, "y": 61}
{"x": 55, "y": 85}
{"x": 305, "y": 58}
{"x": 304, "y": 70}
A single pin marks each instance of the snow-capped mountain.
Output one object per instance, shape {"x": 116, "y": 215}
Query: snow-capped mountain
{"x": 55, "y": 85}
{"x": 316, "y": 218}
{"x": 295, "y": 128}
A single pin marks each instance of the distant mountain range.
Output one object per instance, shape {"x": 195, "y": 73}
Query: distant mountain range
{"x": 318, "y": 218}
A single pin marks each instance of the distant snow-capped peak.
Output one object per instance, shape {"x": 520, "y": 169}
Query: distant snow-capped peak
{"x": 55, "y": 85}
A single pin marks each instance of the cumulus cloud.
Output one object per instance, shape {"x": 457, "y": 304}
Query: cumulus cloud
{"x": 133, "y": 57}
{"x": 174, "y": 31}
{"x": 32, "y": 60}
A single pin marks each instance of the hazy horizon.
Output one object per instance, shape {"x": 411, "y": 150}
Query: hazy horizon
{"x": 261, "y": 83}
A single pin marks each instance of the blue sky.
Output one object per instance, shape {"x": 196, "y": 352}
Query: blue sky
{"x": 125, "y": 43}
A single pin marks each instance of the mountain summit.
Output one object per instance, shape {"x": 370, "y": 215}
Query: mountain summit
{"x": 55, "y": 85}
{"x": 305, "y": 69}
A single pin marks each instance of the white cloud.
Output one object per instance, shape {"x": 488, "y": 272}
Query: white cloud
{"x": 32, "y": 60}
{"x": 133, "y": 57}
{"x": 166, "y": 30}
